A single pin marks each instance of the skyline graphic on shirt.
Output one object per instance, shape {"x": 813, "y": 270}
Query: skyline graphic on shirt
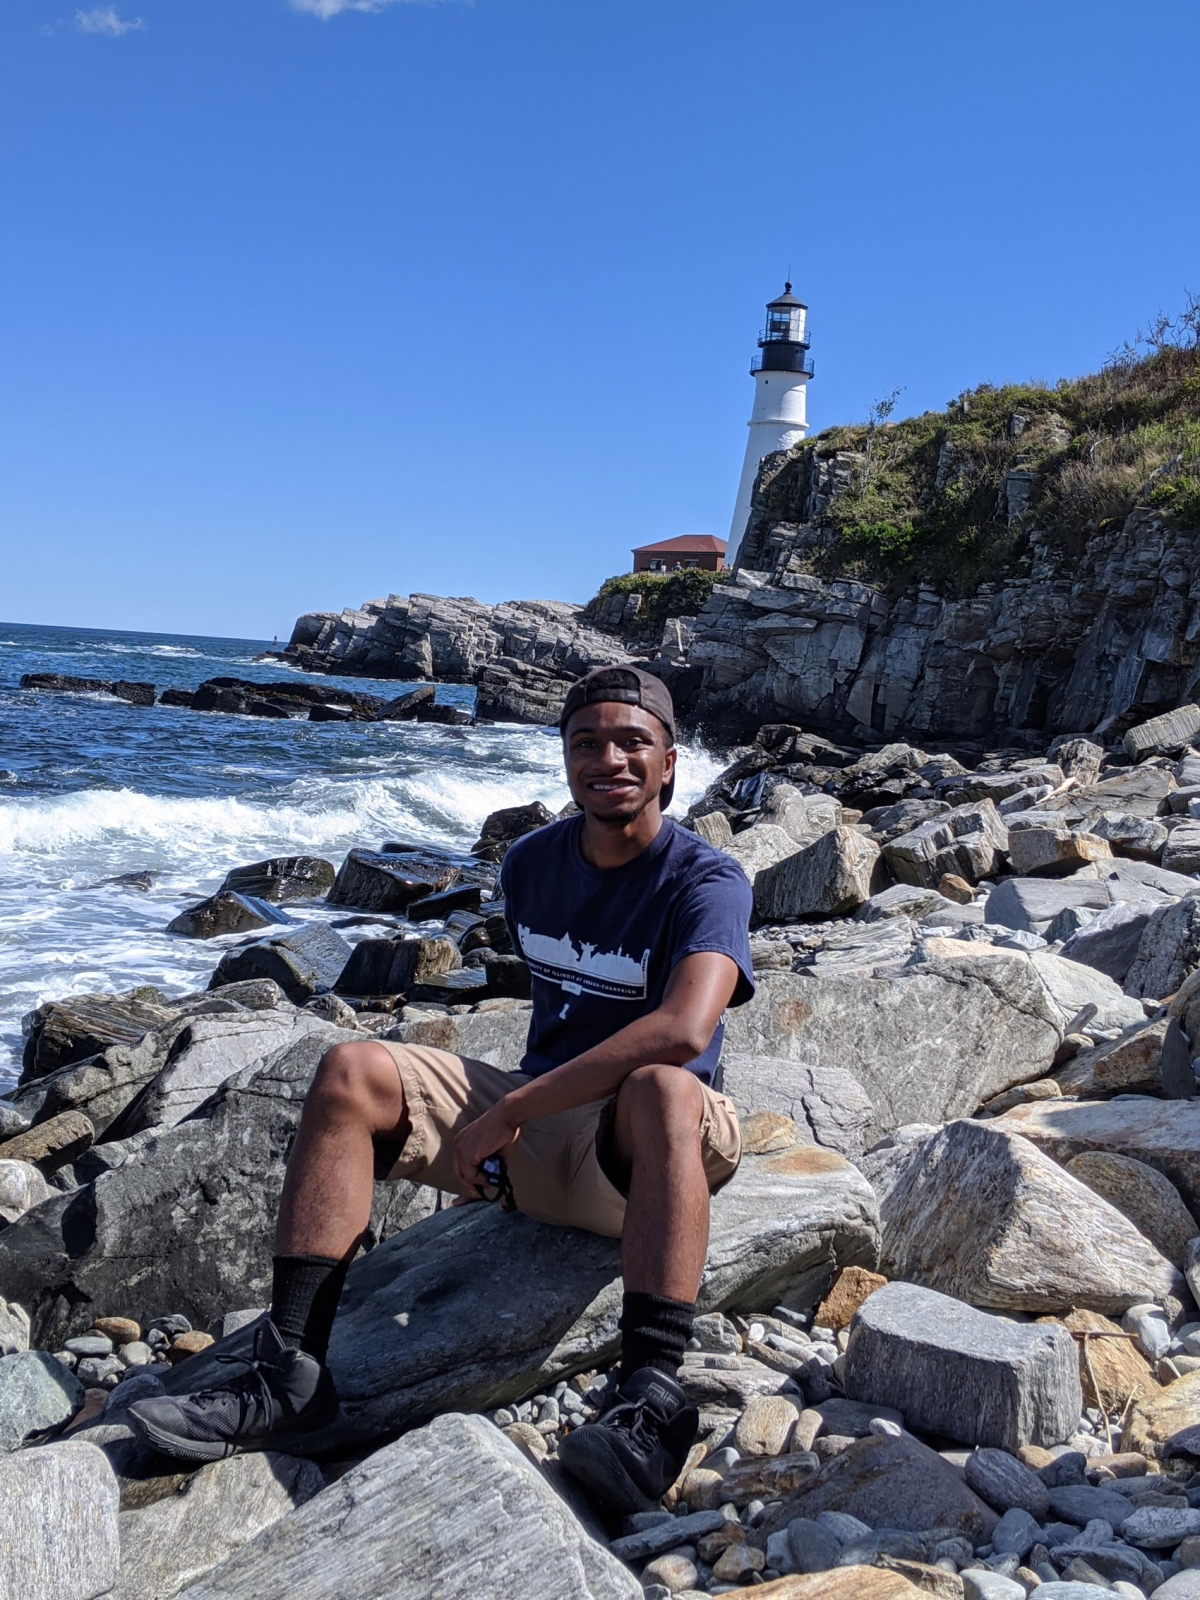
{"x": 585, "y": 969}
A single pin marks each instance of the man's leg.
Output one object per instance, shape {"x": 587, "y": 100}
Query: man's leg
{"x": 633, "y": 1453}
{"x": 285, "y": 1398}
{"x": 356, "y": 1097}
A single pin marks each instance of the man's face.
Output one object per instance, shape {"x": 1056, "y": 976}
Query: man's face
{"x": 617, "y": 760}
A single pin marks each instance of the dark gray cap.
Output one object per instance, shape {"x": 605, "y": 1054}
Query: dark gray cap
{"x": 629, "y": 686}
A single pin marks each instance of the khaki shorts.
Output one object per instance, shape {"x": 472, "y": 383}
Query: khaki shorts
{"x": 559, "y": 1168}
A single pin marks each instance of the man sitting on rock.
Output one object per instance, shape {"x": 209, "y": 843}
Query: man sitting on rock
{"x": 635, "y": 933}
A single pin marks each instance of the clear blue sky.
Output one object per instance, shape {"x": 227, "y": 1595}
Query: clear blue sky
{"x": 304, "y": 301}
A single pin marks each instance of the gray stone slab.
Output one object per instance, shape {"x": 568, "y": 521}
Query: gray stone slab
{"x": 36, "y": 1393}
{"x": 651, "y": 1542}
{"x": 302, "y": 963}
{"x": 1109, "y": 942}
{"x": 176, "y": 1540}
{"x": 453, "y": 1509}
{"x": 1081, "y": 1503}
{"x": 1031, "y": 903}
{"x": 828, "y": 1106}
{"x": 1168, "y": 950}
{"x": 58, "y": 1523}
{"x": 954, "y": 1370}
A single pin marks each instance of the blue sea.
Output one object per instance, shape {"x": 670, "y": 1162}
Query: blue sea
{"x": 92, "y": 788}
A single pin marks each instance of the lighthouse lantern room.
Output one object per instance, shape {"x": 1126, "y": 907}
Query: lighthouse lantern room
{"x": 779, "y": 419}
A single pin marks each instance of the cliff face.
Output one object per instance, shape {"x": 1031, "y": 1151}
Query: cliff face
{"x": 1028, "y": 559}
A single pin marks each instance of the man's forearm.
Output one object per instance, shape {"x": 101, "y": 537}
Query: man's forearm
{"x": 600, "y": 1072}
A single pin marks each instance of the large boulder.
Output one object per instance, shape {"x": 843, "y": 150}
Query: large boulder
{"x": 1165, "y": 1134}
{"x": 759, "y": 848}
{"x": 475, "y": 1306}
{"x": 226, "y": 912}
{"x": 393, "y": 966}
{"x": 1141, "y": 1193}
{"x": 453, "y": 1510}
{"x": 65, "y": 1031}
{"x": 178, "y": 1538}
{"x": 21, "y": 1188}
{"x": 370, "y": 880}
{"x": 1031, "y": 904}
{"x": 1168, "y": 950}
{"x": 1166, "y": 734}
{"x": 951, "y": 1369}
{"x": 37, "y": 1394}
{"x": 504, "y": 827}
{"x": 967, "y": 841}
{"x": 1131, "y": 1064}
{"x": 1053, "y": 852}
{"x": 828, "y": 878}
{"x": 932, "y": 1043}
{"x": 59, "y": 1537}
{"x": 981, "y": 1214}
{"x": 208, "y": 1050}
{"x": 303, "y": 963}
{"x": 283, "y": 878}
{"x": 188, "y": 1223}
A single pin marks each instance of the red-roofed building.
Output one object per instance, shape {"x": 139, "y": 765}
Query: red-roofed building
{"x": 673, "y": 555}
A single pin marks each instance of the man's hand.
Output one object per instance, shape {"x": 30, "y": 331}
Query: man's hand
{"x": 492, "y": 1134}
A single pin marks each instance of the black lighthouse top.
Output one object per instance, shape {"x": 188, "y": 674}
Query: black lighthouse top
{"x": 784, "y": 340}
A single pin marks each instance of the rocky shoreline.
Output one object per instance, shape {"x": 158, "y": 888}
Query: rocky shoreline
{"x": 949, "y": 1340}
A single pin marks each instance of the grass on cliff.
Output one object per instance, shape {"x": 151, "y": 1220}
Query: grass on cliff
{"x": 921, "y": 499}
{"x": 664, "y": 595}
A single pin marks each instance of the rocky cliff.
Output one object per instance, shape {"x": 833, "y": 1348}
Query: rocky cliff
{"x": 1027, "y": 559}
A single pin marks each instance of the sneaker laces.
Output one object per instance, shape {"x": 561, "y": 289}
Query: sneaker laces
{"x": 252, "y": 1388}
{"x": 630, "y": 1416}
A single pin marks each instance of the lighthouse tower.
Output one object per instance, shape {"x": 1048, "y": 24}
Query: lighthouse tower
{"x": 780, "y": 416}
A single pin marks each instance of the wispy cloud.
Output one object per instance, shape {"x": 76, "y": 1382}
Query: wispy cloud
{"x": 107, "y": 19}
{"x": 332, "y": 8}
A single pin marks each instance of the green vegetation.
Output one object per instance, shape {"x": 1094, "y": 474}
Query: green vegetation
{"x": 664, "y": 595}
{"x": 924, "y": 498}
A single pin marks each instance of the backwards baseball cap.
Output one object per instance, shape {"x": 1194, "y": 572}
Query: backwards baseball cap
{"x": 628, "y": 686}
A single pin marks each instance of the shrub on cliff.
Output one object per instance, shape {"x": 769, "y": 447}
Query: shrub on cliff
{"x": 663, "y": 595}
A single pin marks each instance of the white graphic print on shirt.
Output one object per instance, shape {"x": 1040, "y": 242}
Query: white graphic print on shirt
{"x": 585, "y": 970}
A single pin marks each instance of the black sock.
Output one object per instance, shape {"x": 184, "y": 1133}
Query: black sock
{"x": 654, "y": 1333}
{"x": 304, "y": 1300}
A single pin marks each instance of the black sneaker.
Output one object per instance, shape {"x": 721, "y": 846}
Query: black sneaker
{"x": 283, "y": 1399}
{"x": 633, "y": 1452}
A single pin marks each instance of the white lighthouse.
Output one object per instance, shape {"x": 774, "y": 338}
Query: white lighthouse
{"x": 780, "y": 416}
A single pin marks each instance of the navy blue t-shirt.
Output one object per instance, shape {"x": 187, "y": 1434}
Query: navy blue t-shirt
{"x": 601, "y": 944}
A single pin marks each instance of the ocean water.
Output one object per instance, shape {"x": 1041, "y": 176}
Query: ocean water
{"x": 92, "y": 788}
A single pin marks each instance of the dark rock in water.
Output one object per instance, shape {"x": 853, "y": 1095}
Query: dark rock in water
{"x": 404, "y": 707}
{"x": 462, "y": 897}
{"x": 302, "y": 963}
{"x": 332, "y": 714}
{"x": 64, "y": 1031}
{"x": 504, "y": 827}
{"x": 130, "y": 880}
{"x": 289, "y": 699}
{"x": 225, "y": 912}
{"x": 372, "y": 881}
{"x": 236, "y": 702}
{"x": 137, "y": 694}
{"x": 393, "y": 966}
{"x": 188, "y": 1224}
{"x": 186, "y": 698}
{"x": 451, "y": 716}
{"x": 283, "y": 879}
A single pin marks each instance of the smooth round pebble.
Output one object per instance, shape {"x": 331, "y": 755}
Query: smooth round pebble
{"x": 93, "y": 1370}
{"x": 189, "y": 1344}
{"x": 674, "y": 1571}
{"x": 89, "y": 1344}
{"x": 121, "y": 1330}
{"x": 135, "y": 1354}
{"x": 736, "y": 1562}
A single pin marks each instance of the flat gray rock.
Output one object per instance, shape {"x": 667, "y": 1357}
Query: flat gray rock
{"x": 176, "y": 1540}
{"x": 978, "y": 1213}
{"x": 1184, "y": 1585}
{"x": 1160, "y": 1527}
{"x": 828, "y": 878}
{"x": 957, "y": 1371}
{"x": 902, "y": 900}
{"x": 926, "y": 1045}
{"x": 1109, "y": 943}
{"x": 1070, "y": 987}
{"x": 453, "y": 1510}
{"x": 302, "y": 963}
{"x": 58, "y": 1523}
{"x": 1081, "y": 1503}
{"x": 828, "y": 1106}
{"x": 475, "y": 1307}
{"x": 36, "y": 1393}
{"x": 1032, "y": 903}
{"x": 651, "y": 1542}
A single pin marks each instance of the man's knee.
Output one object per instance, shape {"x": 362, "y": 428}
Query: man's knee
{"x": 660, "y": 1096}
{"x": 358, "y": 1077}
